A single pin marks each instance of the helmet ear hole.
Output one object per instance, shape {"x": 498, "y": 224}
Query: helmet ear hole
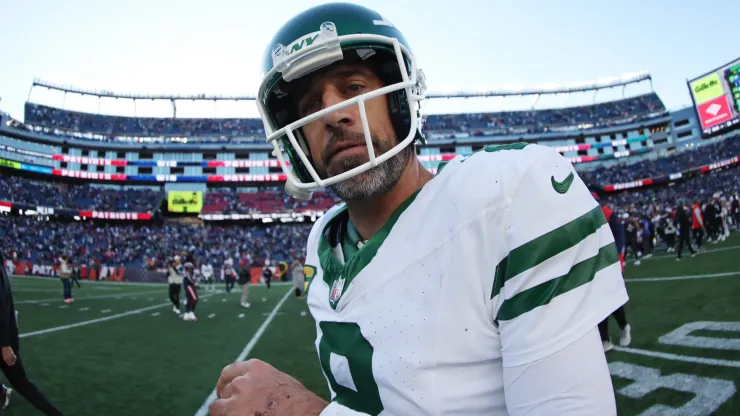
{"x": 298, "y": 167}
{"x": 400, "y": 114}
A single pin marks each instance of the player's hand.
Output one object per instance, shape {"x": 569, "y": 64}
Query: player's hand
{"x": 9, "y": 356}
{"x": 254, "y": 387}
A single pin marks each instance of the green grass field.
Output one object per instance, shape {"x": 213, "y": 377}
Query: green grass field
{"x": 121, "y": 350}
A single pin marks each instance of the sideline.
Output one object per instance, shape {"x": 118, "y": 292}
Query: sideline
{"x": 109, "y": 296}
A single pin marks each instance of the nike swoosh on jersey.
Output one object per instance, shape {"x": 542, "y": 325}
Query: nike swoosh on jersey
{"x": 562, "y": 187}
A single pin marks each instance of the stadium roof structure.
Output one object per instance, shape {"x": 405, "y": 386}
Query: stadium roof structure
{"x": 602, "y": 83}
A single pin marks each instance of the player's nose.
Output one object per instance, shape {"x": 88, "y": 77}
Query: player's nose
{"x": 340, "y": 118}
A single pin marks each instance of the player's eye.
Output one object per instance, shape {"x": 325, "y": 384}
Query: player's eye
{"x": 355, "y": 87}
{"x": 309, "y": 107}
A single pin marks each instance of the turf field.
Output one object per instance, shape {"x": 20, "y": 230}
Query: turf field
{"x": 119, "y": 349}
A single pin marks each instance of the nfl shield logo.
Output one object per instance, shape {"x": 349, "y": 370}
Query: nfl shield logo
{"x": 336, "y": 290}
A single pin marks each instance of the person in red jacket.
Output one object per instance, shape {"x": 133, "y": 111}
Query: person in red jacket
{"x": 697, "y": 223}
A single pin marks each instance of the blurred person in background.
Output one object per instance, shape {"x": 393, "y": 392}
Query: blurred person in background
{"x": 11, "y": 362}
{"x": 616, "y": 225}
{"x": 228, "y": 274}
{"x": 65, "y": 273}
{"x": 175, "y": 282}
{"x": 267, "y": 273}
{"x": 189, "y": 284}
{"x": 647, "y": 239}
{"x": 244, "y": 278}
{"x": 298, "y": 277}
{"x": 697, "y": 223}
{"x": 669, "y": 232}
{"x": 724, "y": 219}
{"x": 206, "y": 270}
{"x": 683, "y": 220}
{"x": 632, "y": 238}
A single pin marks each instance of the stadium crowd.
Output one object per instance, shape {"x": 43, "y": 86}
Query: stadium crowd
{"x": 678, "y": 162}
{"x": 115, "y": 128}
{"x": 81, "y": 197}
{"x": 148, "y": 246}
{"x": 266, "y": 200}
{"x": 140, "y": 126}
{"x": 538, "y": 121}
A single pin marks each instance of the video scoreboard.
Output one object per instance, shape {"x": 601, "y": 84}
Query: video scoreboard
{"x": 716, "y": 98}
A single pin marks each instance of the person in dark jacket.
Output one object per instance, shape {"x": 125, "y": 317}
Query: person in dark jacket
{"x": 683, "y": 220}
{"x": 617, "y": 228}
{"x": 11, "y": 362}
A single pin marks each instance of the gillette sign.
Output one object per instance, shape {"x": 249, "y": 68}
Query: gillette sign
{"x": 713, "y": 112}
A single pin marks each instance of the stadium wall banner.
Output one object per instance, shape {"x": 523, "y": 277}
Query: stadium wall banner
{"x": 115, "y": 215}
{"x": 27, "y": 268}
{"x": 10, "y": 164}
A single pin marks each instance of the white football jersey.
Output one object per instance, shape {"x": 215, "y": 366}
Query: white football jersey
{"x": 503, "y": 258}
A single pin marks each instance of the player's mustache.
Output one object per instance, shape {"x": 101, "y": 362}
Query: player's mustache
{"x": 343, "y": 138}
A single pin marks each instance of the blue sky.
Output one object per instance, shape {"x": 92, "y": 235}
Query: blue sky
{"x": 214, "y": 47}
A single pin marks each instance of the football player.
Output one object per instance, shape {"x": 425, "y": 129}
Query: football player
{"x": 174, "y": 279}
{"x": 189, "y": 283}
{"x": 206, "y": 270}
{"x": 476, "y": 291}
{"x": 228, "y": 274}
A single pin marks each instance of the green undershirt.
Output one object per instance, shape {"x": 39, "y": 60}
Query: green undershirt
{"x": 350, "y": 240}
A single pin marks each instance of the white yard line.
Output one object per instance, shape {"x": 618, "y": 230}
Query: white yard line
{"x": 676, "y": 357}
{"x": 95, "y": 282}
{"x": 150, "y": 284}
{"x": 20, "y": 302}
{"x": 688, "y": 277}
{"x": 203, "y": 411}
{"x": 94, "y": 321}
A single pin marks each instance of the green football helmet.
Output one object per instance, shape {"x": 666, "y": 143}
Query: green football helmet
{"x": 319, "y": 37}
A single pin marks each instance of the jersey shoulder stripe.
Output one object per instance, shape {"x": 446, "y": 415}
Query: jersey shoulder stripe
{"x": 540, "y": 295}
{"x": 546, "y": 246}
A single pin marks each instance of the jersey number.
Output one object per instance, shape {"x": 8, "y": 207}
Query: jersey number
{"x": 345, "y": 339}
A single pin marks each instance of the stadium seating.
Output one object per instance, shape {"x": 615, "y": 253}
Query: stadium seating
{"x": 702, "y": 155}
{"x": 81, "y": 197}
{"x": 229, "y": 201}
{"x": 128, "y": 245}
{"x": 104, "y": 127}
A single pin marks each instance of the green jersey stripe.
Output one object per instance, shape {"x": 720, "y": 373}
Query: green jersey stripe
{"x": 544, "y": 293}
{"x": 534, "y": 252}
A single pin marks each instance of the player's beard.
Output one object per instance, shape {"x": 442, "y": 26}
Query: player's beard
{"x": 373, "y": 182}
